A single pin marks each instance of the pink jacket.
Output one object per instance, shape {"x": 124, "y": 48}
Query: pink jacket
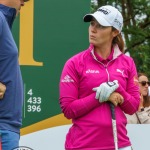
{"x": 92, "y": 126}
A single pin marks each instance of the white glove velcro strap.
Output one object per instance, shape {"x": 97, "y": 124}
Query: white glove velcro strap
{"x": 111, "y": 83}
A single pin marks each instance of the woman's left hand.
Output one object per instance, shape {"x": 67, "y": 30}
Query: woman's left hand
{"x": 105, "y": 89}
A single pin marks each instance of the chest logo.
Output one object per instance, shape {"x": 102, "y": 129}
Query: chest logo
{"x": 92, "y": 71}
{"x": 121, "y": 71}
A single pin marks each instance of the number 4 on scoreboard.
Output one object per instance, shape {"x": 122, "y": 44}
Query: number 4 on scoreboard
{"x": 30, "y": 92}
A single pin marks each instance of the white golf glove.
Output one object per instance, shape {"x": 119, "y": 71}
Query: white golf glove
{"x": 105, "y": 89}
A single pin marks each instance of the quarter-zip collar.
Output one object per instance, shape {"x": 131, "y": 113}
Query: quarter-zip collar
{"x": 9, "y": 13}
{"x": 115, "y": 54}
{"x": 115, "y": 50}
{"x": 104, "y": 61}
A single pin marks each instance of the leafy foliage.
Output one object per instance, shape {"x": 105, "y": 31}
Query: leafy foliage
{"x": 136, "y": 29}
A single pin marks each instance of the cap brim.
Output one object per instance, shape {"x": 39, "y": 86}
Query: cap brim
{"x": 100, "y": 20}
{"x": 87, "y": 18}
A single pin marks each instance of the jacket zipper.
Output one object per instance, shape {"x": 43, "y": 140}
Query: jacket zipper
{"x": 105, "y": 66}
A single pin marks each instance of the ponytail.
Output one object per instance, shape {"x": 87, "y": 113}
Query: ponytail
{"x": 119, "y": 41}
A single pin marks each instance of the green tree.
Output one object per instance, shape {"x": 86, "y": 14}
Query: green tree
{"x": 136, "y": 29}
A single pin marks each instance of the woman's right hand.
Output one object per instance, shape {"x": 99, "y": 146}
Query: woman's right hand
{"x": 2, "y": 90}
{"x": 116, "y": 98}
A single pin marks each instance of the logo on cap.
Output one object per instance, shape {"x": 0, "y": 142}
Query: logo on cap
{"x": 118, "y": 23}
{"x": 104, "y": 11}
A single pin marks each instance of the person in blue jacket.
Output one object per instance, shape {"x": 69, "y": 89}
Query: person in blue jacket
{"x": 10, "y": 76}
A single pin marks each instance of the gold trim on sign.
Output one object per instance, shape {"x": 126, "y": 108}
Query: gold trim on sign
{"x": 26, "y": 41}
{"x": 57, "y": 120}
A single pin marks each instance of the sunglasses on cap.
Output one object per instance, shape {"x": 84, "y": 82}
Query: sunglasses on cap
{"x": 143, "y": 83}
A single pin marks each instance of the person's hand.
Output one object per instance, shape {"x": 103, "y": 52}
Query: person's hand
{"x": 2, "y": 90}
{"x": 116, "y": 98}
{"x": 105, "y": 89}
{"x": 141, "y": 102}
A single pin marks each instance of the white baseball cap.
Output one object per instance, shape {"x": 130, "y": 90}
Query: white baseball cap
{"x": 107, "y": 16}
